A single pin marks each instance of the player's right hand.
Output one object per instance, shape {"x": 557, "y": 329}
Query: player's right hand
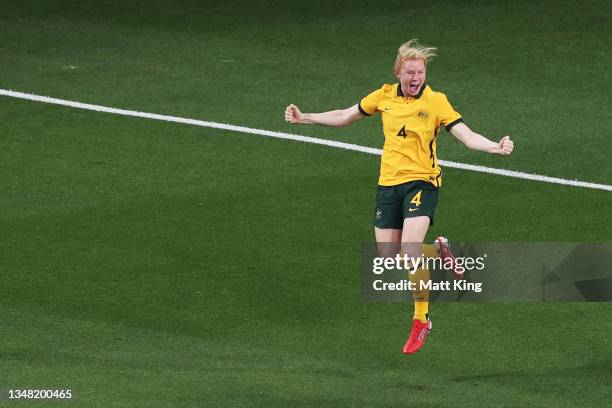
{"x": 293, "y": 114}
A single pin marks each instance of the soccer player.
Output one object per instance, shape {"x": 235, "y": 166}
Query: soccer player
{"x": 410, "y": 176}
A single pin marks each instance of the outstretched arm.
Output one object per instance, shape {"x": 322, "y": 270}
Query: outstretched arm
{"x": 341, "y": 117}
{"x": 478, "y": 142}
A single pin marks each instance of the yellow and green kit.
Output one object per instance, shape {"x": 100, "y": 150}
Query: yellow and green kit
{"x": 409, "y": 172}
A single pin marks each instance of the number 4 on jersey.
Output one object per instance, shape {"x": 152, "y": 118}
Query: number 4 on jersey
{"x": 402, "y": 132}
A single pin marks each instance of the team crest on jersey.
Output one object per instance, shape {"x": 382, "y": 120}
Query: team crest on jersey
{"x": 423, "y": 115}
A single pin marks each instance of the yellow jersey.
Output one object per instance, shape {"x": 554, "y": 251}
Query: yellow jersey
{"x": 410, "y": 126}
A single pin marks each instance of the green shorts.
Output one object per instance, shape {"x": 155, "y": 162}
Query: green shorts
{"x": 412, "y": 199}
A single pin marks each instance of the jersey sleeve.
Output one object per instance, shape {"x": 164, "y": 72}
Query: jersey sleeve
{"x": 369, "y": 104}
{"x": 447, "y": 115}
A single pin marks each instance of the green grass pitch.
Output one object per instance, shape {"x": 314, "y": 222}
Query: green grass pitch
{"x": 151, "y": 264}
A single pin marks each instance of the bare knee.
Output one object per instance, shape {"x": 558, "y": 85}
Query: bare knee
{"x": 388, "y": 241}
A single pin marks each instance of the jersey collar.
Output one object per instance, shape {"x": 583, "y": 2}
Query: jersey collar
{"x": 417, "y": 96}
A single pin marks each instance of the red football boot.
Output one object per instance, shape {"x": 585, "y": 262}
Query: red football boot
{"x": 448, "y": 258}
{"x": 418, "y": 334}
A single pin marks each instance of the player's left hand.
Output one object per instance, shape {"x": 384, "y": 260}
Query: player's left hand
{"x": 505, "y": 146}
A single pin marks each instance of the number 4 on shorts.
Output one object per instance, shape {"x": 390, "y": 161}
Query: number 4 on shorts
{"x": 416, "y": 200}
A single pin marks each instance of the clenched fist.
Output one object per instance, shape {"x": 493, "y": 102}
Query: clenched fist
{"x": 505, "y": 146}
{"x": 293, "y": 114}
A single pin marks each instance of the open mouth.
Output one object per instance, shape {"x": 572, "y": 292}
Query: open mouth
{"x": 414, "y": 88}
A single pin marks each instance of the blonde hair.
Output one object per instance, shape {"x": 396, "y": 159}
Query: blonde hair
{"x": 413, "y": 50}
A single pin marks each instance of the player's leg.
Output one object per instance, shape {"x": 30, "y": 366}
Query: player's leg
{"x": 413, "y": 235}
{"x": 419, "y": 204}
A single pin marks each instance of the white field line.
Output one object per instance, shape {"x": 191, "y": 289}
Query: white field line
{"x": 289, "y": 136}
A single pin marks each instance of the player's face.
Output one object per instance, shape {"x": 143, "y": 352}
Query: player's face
{"x": 412, "y": 75}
